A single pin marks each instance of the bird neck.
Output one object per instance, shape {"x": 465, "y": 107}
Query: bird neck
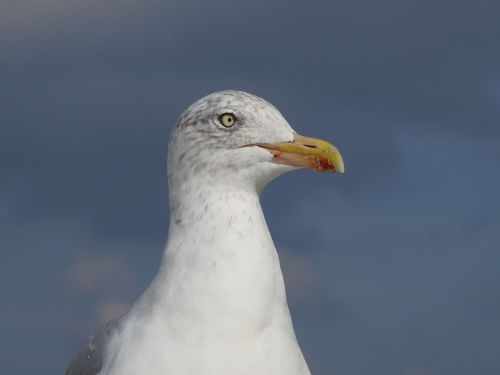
{"x": 219, "y": 207}
{"x": 220, "y": 268}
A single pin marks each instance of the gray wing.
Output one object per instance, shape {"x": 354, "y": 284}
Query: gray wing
{"x": 88, "y": 361}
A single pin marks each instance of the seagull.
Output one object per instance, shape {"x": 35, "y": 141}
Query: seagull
{"x": 218, "y": 304}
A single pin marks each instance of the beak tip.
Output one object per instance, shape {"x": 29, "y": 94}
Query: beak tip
{"x": 338, "y": 162}
{"x": 341, "y": 168}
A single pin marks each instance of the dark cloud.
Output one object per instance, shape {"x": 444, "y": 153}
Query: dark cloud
{"x": 391, "y": 268}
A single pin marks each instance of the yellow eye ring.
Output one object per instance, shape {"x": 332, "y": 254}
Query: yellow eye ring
{"x": 227, "y": 119}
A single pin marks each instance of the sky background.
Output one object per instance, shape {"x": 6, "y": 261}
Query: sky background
{"x": 391, "y": 269}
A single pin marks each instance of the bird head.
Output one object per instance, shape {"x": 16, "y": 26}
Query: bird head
{"x": 233, "y": 137}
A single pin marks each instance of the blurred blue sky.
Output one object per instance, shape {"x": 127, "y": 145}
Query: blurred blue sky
{"x": 391, "y": 269}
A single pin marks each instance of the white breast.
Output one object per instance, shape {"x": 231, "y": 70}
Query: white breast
{"x": 218, "y": 303}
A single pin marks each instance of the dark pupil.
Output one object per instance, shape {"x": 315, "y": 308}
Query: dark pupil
{"x": 229, "y": 119}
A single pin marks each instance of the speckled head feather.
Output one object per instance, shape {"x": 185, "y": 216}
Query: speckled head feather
{"x": 201, "y": 147}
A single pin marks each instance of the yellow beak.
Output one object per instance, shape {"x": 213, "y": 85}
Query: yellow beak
{"x": 312, "y": 153}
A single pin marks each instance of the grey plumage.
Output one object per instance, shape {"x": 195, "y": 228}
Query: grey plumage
{"x": 89, "y": 359}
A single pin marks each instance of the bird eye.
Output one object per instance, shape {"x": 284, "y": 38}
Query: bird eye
{"x": 227, "y": 119}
